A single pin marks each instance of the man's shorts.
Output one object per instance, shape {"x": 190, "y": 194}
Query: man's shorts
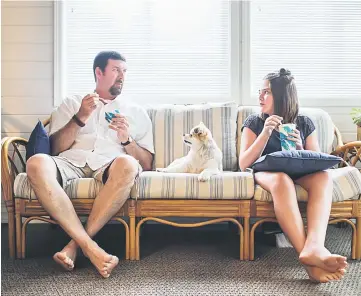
{"x": 67, "y": 171}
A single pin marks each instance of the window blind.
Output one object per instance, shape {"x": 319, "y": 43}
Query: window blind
{"x": 319, "y": 41}
{"x": 172, "y": 47}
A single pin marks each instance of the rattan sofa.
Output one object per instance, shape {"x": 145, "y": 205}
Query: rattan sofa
{"x": 232, "y": 197}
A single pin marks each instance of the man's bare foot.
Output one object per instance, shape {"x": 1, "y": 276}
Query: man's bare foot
{"x": 322, "y": 276}
{"x": 322, "y": 258}
{"x": 103, "y": 261}
{"x": 66, "y": 257}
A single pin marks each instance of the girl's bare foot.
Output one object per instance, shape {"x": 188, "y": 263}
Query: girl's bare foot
{"x": 322, "y": 258}
{"x": 322, "y": 276}
{"x": 102, "y": 261}
{"x": 66, "y": 257}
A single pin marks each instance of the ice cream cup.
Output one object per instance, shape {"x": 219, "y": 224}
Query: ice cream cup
{"x": 285, "y": 130}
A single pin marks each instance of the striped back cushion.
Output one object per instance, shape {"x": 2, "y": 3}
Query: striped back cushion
{"x": 170, "y": 122}
{"x": 320, "y": 118}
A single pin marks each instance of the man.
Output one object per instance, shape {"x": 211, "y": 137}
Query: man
{"x": 85, "y": 144}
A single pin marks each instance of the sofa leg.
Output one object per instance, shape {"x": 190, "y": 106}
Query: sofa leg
{"x": 11, "y": 234}
{"x": 132, "y": 255}
{"x": 358, "y": 238}
{"x": 252, "y": 233}
{"x": 126, "y": 227}
{"x": 18, "y": 235}
{"x": 246, "y": 225}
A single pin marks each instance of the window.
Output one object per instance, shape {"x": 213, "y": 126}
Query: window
{"x": 174, "y": 49}
{"x": 194, "y": 51}
{"x": 319, "y": 41}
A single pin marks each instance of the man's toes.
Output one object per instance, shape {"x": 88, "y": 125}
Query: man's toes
{"x": 114, "y": 260}
{"x": 105, "y": 273}
{"x": 60, "y": 256}
{"x": 70, "y": 264}
{"x": 64, "y": 261}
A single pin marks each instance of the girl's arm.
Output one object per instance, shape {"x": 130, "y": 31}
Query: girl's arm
{"x": 251, "y": 147}
{"x": 312, "y": 143}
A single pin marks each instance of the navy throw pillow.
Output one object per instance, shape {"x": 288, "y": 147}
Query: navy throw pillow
{"x": 38, "y": 141}
{"x": 295, "y": 163}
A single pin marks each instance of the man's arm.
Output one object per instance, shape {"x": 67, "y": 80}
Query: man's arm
{"x": 120, "y": 124}
{"x": 62, "y": 139}
{"x": 143, "y": 155}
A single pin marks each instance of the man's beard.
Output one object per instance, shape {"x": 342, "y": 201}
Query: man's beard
{"x": 115, "y": 90}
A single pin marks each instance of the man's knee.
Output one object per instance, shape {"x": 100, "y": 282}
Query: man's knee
{"x": 124, "y": 169}
{"x": 40, "y": 165}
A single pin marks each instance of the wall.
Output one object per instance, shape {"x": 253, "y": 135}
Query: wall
{"x": 27, "y": 72}
{"x": 26, "y": 67}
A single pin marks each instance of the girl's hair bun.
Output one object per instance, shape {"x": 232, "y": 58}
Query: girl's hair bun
{"x": 284, "y": 72}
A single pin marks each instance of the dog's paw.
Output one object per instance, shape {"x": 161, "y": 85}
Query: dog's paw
{"x": 161, "y": 170}
{"x": 204, "y": 176}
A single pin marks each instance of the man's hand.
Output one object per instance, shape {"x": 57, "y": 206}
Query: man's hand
{"x": 88, "y": 105}
{"x": 120, "y": 125}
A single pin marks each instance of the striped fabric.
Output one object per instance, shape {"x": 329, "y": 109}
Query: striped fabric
{"x": 229, "y": 185}
{"x": 320, "y": 118}
{"x": 78, "y": 188}
{"x": 346, "y": 186}
{"x": 170, "y": 122}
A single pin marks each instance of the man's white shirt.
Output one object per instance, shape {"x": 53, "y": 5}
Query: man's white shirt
{"x": 96, "y": 144}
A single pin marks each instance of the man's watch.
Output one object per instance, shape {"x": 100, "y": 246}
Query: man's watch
{"x": 130, "y": 140}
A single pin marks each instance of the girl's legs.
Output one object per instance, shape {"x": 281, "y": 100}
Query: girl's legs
{"x": 288, "y": 215}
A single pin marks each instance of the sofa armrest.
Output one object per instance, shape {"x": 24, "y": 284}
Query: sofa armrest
{"x": 10, "y": 167}
{"x": 350, "y": 152}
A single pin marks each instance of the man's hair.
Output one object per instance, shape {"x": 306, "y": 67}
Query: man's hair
{"x": 101, "y": 60}
{"x": 284, "y": 92}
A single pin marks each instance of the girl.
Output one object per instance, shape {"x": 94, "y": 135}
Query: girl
{"x": 279, "y": 104}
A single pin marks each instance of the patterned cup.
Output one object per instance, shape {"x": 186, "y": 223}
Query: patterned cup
{"x": 284, "y": 130}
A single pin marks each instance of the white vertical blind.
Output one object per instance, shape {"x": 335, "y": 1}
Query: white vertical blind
{"x": 172, "y": 47}
{"x": 319, "y": 41}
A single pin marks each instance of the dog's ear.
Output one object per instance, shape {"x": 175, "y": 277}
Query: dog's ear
{"x": 196, "y": 130}
{"x": 201, "y": 123}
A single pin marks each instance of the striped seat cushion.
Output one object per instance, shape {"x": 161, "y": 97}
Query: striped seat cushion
{"x": 77, "y": 188}
{"x": 229, "y": 185}
{"x": 346, "y": 186}
{"x": 320, "y": 118}
{"x": 170, "y": 122}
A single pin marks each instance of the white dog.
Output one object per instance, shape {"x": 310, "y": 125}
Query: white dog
{"x": 204, "y": 158}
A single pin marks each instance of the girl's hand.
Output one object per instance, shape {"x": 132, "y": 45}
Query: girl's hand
{"x": 296, "y": 137}
{"x": 271, "y": 123}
